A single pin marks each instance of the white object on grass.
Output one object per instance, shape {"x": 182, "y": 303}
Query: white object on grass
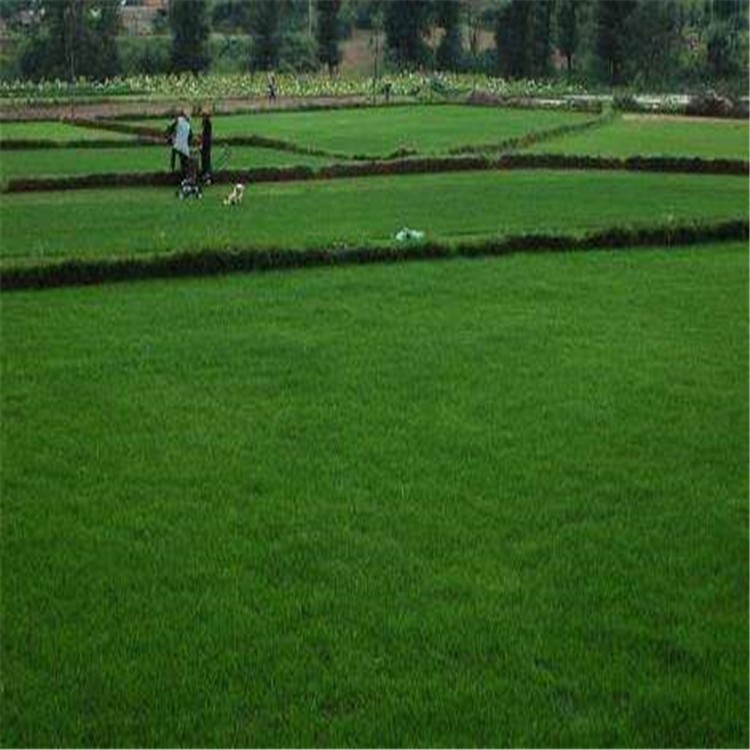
{"x": 235, "y": 197}
{"x": 407, "y": 234}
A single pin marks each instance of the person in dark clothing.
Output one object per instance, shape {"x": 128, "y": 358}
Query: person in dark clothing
{"x": 206, "y": 140}
{"x": 169, "y": 134}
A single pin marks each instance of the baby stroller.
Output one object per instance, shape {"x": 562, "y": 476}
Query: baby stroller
{"x": 190, "y": 186}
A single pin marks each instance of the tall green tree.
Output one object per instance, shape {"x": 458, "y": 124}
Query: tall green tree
{"x": 406, "y": 24}
{"x": 265, "y": 31}
{"x": 540, "y": 59}
{"x": 328, "y": 33}
{"x": 64, "y": 22}
{"x": 189, "y": 24}
{"x": 611, "y": 31}
{"x": 450, "y": 50}
{"x": 726, "y": 39}
{"x": 78, "y": 39}
{"x": 568, "y": 31}
{"x": 513, "y": 35}
{"x": 653, "y": 38}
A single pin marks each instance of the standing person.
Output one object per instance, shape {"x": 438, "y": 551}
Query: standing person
{"x": 181, "y": 142}
{"x": 170, "y": 140}
{"x": 271, "y": 87}
{"x": 206, "y": 140}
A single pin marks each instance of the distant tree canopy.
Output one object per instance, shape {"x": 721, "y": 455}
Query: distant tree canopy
{"x": 611, "y": 37}
{"x": 189, "y": 24}
{"x": 645, "y": 44}
{"x": 406, "y": 24}
{"x": 76, "y": 38}
{"x": 329, "y": 53}
{"x": 449, "y": 53}
{"x": 265, "y": 30}
{"x": 523, "y": 36}
{"x": 568, "y": 30}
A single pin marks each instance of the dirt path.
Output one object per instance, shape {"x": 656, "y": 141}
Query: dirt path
{"x": 637, "y": 117}
{"x": 166, "y": 107}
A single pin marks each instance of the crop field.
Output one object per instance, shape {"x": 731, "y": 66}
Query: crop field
{"x": 486, "y": 501}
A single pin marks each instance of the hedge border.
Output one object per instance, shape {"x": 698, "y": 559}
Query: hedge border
{"x": 29, "y": 144}
{"x": 540, "y": 136}
{"x": 681, "y": 165}
{"x": 213, "y": 262}
{"x": 279, "y": 144}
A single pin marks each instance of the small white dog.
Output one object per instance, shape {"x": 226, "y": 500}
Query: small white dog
{"x": 235, "y": 197}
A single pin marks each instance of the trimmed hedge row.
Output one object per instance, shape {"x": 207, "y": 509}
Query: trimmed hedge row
{"x": 213, "y": 262}
{"x": 28, "y": 144}
{"x": 278, "y": 144}
{"x": 529, "y": 139}
{"x": 117, "y": 127}
{"x": 145, "y": 136}
{"x": 685, "y": 165}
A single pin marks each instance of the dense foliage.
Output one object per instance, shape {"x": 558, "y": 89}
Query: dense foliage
{"x": 644, "y": 44}
{"x": 189, "y": 24}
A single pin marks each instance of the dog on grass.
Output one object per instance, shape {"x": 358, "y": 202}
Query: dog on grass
{"x": 235, "y": 197}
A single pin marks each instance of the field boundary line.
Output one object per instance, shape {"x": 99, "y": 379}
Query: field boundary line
{"x": 507, "y": 162}
{"x": 534, "y": 137}
{"x": 214, "y": 262}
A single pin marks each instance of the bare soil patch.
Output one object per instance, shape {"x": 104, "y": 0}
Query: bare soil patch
{"x": 165, "y": 107}
{"x": 639, "y": 117}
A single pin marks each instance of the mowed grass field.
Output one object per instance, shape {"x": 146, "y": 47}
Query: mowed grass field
{"x": 488, "y": 502}
{"x": 448, "y": 504}
{"x": 447, "y": 207}
{"x": 656, "y": 136}
{"x": 375, "y": 131}
{"x": 54, "y": 131}
{"x": 81, "y": 161}
{"x": 433, "y": 130}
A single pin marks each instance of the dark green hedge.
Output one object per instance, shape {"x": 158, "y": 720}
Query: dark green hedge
{"x": 529, "y": 139}
{"x": 118, "y": 127}
{"x": 18, "y": 144}
{"x": 396, "y": 167}
{"x": 212, "y": 262}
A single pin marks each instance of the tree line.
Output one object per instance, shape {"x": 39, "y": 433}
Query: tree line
{"x": 640, "y": 43}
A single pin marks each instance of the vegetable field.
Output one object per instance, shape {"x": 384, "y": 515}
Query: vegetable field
{"x": 469, "y": 501}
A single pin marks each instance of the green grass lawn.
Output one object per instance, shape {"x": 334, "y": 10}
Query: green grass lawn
{"x": 54, "y": 131}
{"x": 467, "y": 503}
{"x": 382, "y": 130}
{"x": 448, "y": 207}
{"x": 656, "y": 137}
{"x": 75, "y": 161}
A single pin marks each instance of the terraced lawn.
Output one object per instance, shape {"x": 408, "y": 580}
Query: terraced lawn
{"x": 70, "y": 161}
{"x": 468, "y": 503}
{"x": 656, "y": 136}
{"x": 54, "y": 131}
{"x": 459, "y": 503}
{"x": 458, "y": 206}
{"x": 381, "y": 130}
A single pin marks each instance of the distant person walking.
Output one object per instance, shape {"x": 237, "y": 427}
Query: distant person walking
{"x": 271, "y": 87}
{"x": 206, "y": 141}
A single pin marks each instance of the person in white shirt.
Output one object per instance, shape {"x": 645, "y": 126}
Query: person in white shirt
{"x": 180, "y": 135}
